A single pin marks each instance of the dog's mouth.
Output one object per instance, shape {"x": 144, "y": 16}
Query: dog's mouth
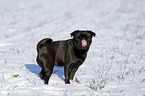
{"x": 84, "y": 43}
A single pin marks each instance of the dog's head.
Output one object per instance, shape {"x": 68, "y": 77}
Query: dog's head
{"x": 82, "y": 39}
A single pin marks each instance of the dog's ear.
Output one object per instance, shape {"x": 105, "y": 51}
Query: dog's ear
{"x": 92, "y": 33}
{"x": 74, "y": 33}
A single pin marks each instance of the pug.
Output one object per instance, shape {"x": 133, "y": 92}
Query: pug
{"x": 68, "y": 53}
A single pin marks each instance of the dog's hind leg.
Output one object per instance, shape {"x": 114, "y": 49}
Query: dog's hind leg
{"x": 48, "y": 72}
{"x": 47, "y": 67}
{"x": 42, "y": 74}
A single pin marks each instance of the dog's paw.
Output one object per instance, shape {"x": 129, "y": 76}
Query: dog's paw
{"x": 67, "y": 82}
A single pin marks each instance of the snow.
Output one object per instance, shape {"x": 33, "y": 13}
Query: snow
{"x": 115, "y": 64}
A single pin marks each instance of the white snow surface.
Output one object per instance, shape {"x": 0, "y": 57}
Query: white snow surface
{"x": 115, "y": 64}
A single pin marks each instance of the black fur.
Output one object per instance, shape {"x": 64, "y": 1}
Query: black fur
{"x": 69, "y": 53}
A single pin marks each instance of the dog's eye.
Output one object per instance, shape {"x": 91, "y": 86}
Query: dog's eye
{"x": 80, "y": 37}
{"x": 88, "y": 39}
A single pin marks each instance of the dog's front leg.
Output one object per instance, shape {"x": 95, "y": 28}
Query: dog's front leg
{"x": 74, "y": 68}
{"x": 67, "y": 74}
{"x": 72, "y": 73}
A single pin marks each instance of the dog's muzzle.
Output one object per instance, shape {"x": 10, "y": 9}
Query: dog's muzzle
{"x": 84, "y": 43}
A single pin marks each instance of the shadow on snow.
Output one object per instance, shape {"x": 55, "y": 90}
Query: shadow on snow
{"x": 58, "y": 70}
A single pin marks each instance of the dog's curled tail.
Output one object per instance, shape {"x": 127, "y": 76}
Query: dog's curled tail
{"x": 43, "y": 42}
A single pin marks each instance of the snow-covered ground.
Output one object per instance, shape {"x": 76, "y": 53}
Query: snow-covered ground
{"x": 116, "y": 60}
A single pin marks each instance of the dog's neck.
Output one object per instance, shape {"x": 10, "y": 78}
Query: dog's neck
{"x": 80, "y": 53}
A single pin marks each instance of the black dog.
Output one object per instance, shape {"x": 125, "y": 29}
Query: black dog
{"x": 69, "y": 53}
